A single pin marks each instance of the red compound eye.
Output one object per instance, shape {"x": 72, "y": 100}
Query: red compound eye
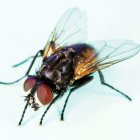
{"x": 29, "y": 82}
{"x": 44, "y": 94}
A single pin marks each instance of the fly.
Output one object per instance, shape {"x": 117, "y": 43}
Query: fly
{"x": 68, "y": 63}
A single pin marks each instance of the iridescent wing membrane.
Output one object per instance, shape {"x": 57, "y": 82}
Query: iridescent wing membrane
{"x": 70, "y": 29}
{"x": 107, "y": 54}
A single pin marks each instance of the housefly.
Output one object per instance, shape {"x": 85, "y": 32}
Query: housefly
{"x": 68, "y": 63}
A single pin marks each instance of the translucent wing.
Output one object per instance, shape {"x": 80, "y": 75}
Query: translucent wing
{"x": 70, "y": 29}
{"x": 113, "y": 52}
{"x": 107, "y": 54}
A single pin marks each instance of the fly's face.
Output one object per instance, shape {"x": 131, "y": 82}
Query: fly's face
{"x": 37, "y": 89}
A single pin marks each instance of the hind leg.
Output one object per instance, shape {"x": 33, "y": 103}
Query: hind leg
{"x": 104, "y": 83}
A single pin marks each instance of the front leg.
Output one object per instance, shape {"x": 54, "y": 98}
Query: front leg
{"x": 53, "y": 101}
{"x": 27, "y": 72}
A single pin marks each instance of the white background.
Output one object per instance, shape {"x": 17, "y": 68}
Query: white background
{"x": 94, "y": 111}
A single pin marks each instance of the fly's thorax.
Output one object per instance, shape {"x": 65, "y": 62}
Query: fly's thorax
{"x": 60, "y": 75}
{"x": 59, "y": 68}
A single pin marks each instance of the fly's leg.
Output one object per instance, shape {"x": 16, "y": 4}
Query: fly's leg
{"x": 27, "y": 72}
{"x": 79, "y": 83}
{"x": 25, "y": 108}
{"x": 53, "y": 101}
{"x": 24, "y": 61}
{"x": 104, "y": 83}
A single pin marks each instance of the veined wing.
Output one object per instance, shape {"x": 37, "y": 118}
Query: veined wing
{"x": 70, "y": 29}
{"x": 107, "y": 54}
{"x": 113, "y": 52}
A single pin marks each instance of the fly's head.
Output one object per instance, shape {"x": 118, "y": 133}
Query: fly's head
{"x": 39, "y": 92}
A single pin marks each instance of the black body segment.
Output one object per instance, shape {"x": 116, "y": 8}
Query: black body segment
{"x": 60, "y": 67}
